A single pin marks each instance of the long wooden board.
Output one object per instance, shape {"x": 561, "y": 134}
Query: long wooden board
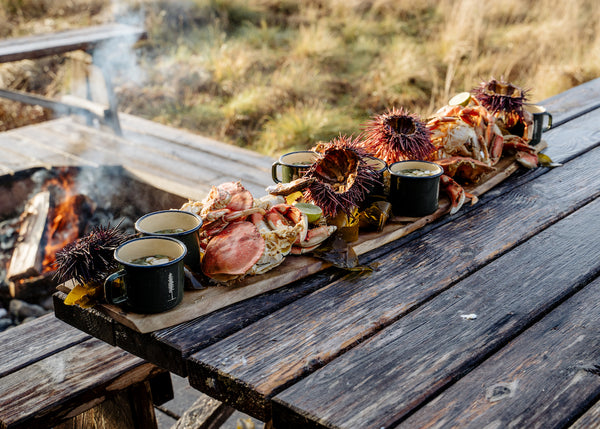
{"x": 201, "y": 302}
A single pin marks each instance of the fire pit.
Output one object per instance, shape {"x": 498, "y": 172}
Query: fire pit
{"x": 42, "y": 210}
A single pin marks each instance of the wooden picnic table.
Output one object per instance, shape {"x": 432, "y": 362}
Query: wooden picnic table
{"x": 486, "y": 318}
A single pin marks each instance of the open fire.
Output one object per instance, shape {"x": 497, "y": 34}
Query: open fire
{"x": 52, "y": 208}
{"x": 66, "y": 221}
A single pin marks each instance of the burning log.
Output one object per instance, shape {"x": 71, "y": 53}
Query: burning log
{"x": 44, "y": 229}
{"x": 26, "y": 259}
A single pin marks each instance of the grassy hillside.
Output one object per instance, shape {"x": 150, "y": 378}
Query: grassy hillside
{"x": 280, "y": 75}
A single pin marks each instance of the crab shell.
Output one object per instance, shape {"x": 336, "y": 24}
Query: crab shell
{"x": 233, "y": 252}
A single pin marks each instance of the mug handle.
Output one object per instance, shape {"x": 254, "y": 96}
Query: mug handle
{"x": 549, "y": 121}
{"x": 274, "y": 172}
{"x": 110, "y": 285}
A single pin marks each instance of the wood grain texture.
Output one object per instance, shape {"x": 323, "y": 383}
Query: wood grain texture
{"x": 31, "y": 47}
{"x": 88, "y": 320}
{"x": 277, "y": 351}
{"x": 547, "y": 377}
{"x": 129, "y": 409}
{"x": 83, "y": 374}
{"x": 52, "y": 335}
{"x": 408, "y": 362}
{"x": 198, "y": 303}
{"x": 574, "y": 102}
{"x": 591, "y": 418}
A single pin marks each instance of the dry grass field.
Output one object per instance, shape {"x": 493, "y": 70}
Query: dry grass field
{"x": 280, "y": 75}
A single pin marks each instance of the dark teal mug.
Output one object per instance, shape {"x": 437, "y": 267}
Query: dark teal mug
{"x": 414, "y": 187}
{"x": 178, "y": 224}
{"x": 293, "y": 165}
{"x": 151, "y": 279}
{"x": 538, "y": 112}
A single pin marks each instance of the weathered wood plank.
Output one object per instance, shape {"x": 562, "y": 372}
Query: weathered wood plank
{"x": 52, "y": 335}
{"x": 66, "y": 380}
{"x": 573, "y": 102}
{"x": 411, "y": 360}
{"x": 194, "y": 141}
{"x": 170, "y": 347}
{"x": 591, "y": 419}
{"x": 88, "y": 320}
{"x": 36, "y": 154}
{"x": 118, "y": 411}
{"x": 546, "y": 377}
{"x": 13, "y": 160}
{"x": 205, "y": 413}
{"x": 478, "y": 237}
{"x": 217, "y": 164}
{"x": 36, "y": 46}
{"x": 161, "y": 159}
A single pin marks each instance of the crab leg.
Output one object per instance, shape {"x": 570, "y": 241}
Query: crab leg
{"x": 455, "y": 192}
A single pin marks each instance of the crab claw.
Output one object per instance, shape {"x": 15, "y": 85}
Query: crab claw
{"x": 285, "y": 215}
{"x": 315, "y": 236}
{"x": 527, "y": 160}
{"x": 455, "y": 192}
{"x": 289, "y": 188}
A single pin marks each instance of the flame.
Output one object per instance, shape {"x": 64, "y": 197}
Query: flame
{"x": 63, "y": 220}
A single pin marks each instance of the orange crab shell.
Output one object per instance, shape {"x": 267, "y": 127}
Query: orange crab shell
{"x": 233, "y": 252}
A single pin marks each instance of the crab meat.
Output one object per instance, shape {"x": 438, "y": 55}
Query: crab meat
{"x": 233, "y": 252}
{"x": 280, "y": 226}
{"x": 466, "y": 168}
{"x": 468, "y": 132}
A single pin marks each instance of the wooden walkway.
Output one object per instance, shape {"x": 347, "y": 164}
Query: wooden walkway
{"x": 171, "y": 159}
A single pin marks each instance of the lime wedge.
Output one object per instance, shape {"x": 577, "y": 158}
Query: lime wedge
{"x": 312, "y": 212}
{"x": 461, "y": 99}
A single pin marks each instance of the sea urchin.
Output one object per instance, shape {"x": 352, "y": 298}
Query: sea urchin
{"x": 342, "y": 178}
{"x": 90, "y": 258}
{"x": 503, "y": 100}
{"x": 397, "y": 136}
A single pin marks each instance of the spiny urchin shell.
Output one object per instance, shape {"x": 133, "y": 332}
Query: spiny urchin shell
{"x": 397, "y": 136}
{"x": 90, "y": 258}
{"x": 343, "y": 178}
{"x": 500, "y": 97}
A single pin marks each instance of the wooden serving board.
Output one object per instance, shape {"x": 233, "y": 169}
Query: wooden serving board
{"x": 197, "y": 303}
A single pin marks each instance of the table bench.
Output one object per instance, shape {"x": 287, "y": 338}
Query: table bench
{"x": 85, "y": 39}
{"x": 52, "y": 374}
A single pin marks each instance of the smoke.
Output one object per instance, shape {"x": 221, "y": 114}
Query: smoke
{"x": 117, "y": 59}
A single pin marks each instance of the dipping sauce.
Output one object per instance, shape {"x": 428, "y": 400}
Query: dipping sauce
{"x": 151, "y": 260}
{"x": 417, "y": 172}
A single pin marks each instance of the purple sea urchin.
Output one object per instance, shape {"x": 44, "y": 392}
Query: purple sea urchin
{"x": 342, "y": 178}
{"x": 503, "y": 100}
{"x": 397, "y": 136}
{"x": 90, "y": 258}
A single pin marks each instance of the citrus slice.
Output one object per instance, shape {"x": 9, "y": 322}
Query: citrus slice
{"x": 460, "y": 99}
{"x": 312, "y": 211}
